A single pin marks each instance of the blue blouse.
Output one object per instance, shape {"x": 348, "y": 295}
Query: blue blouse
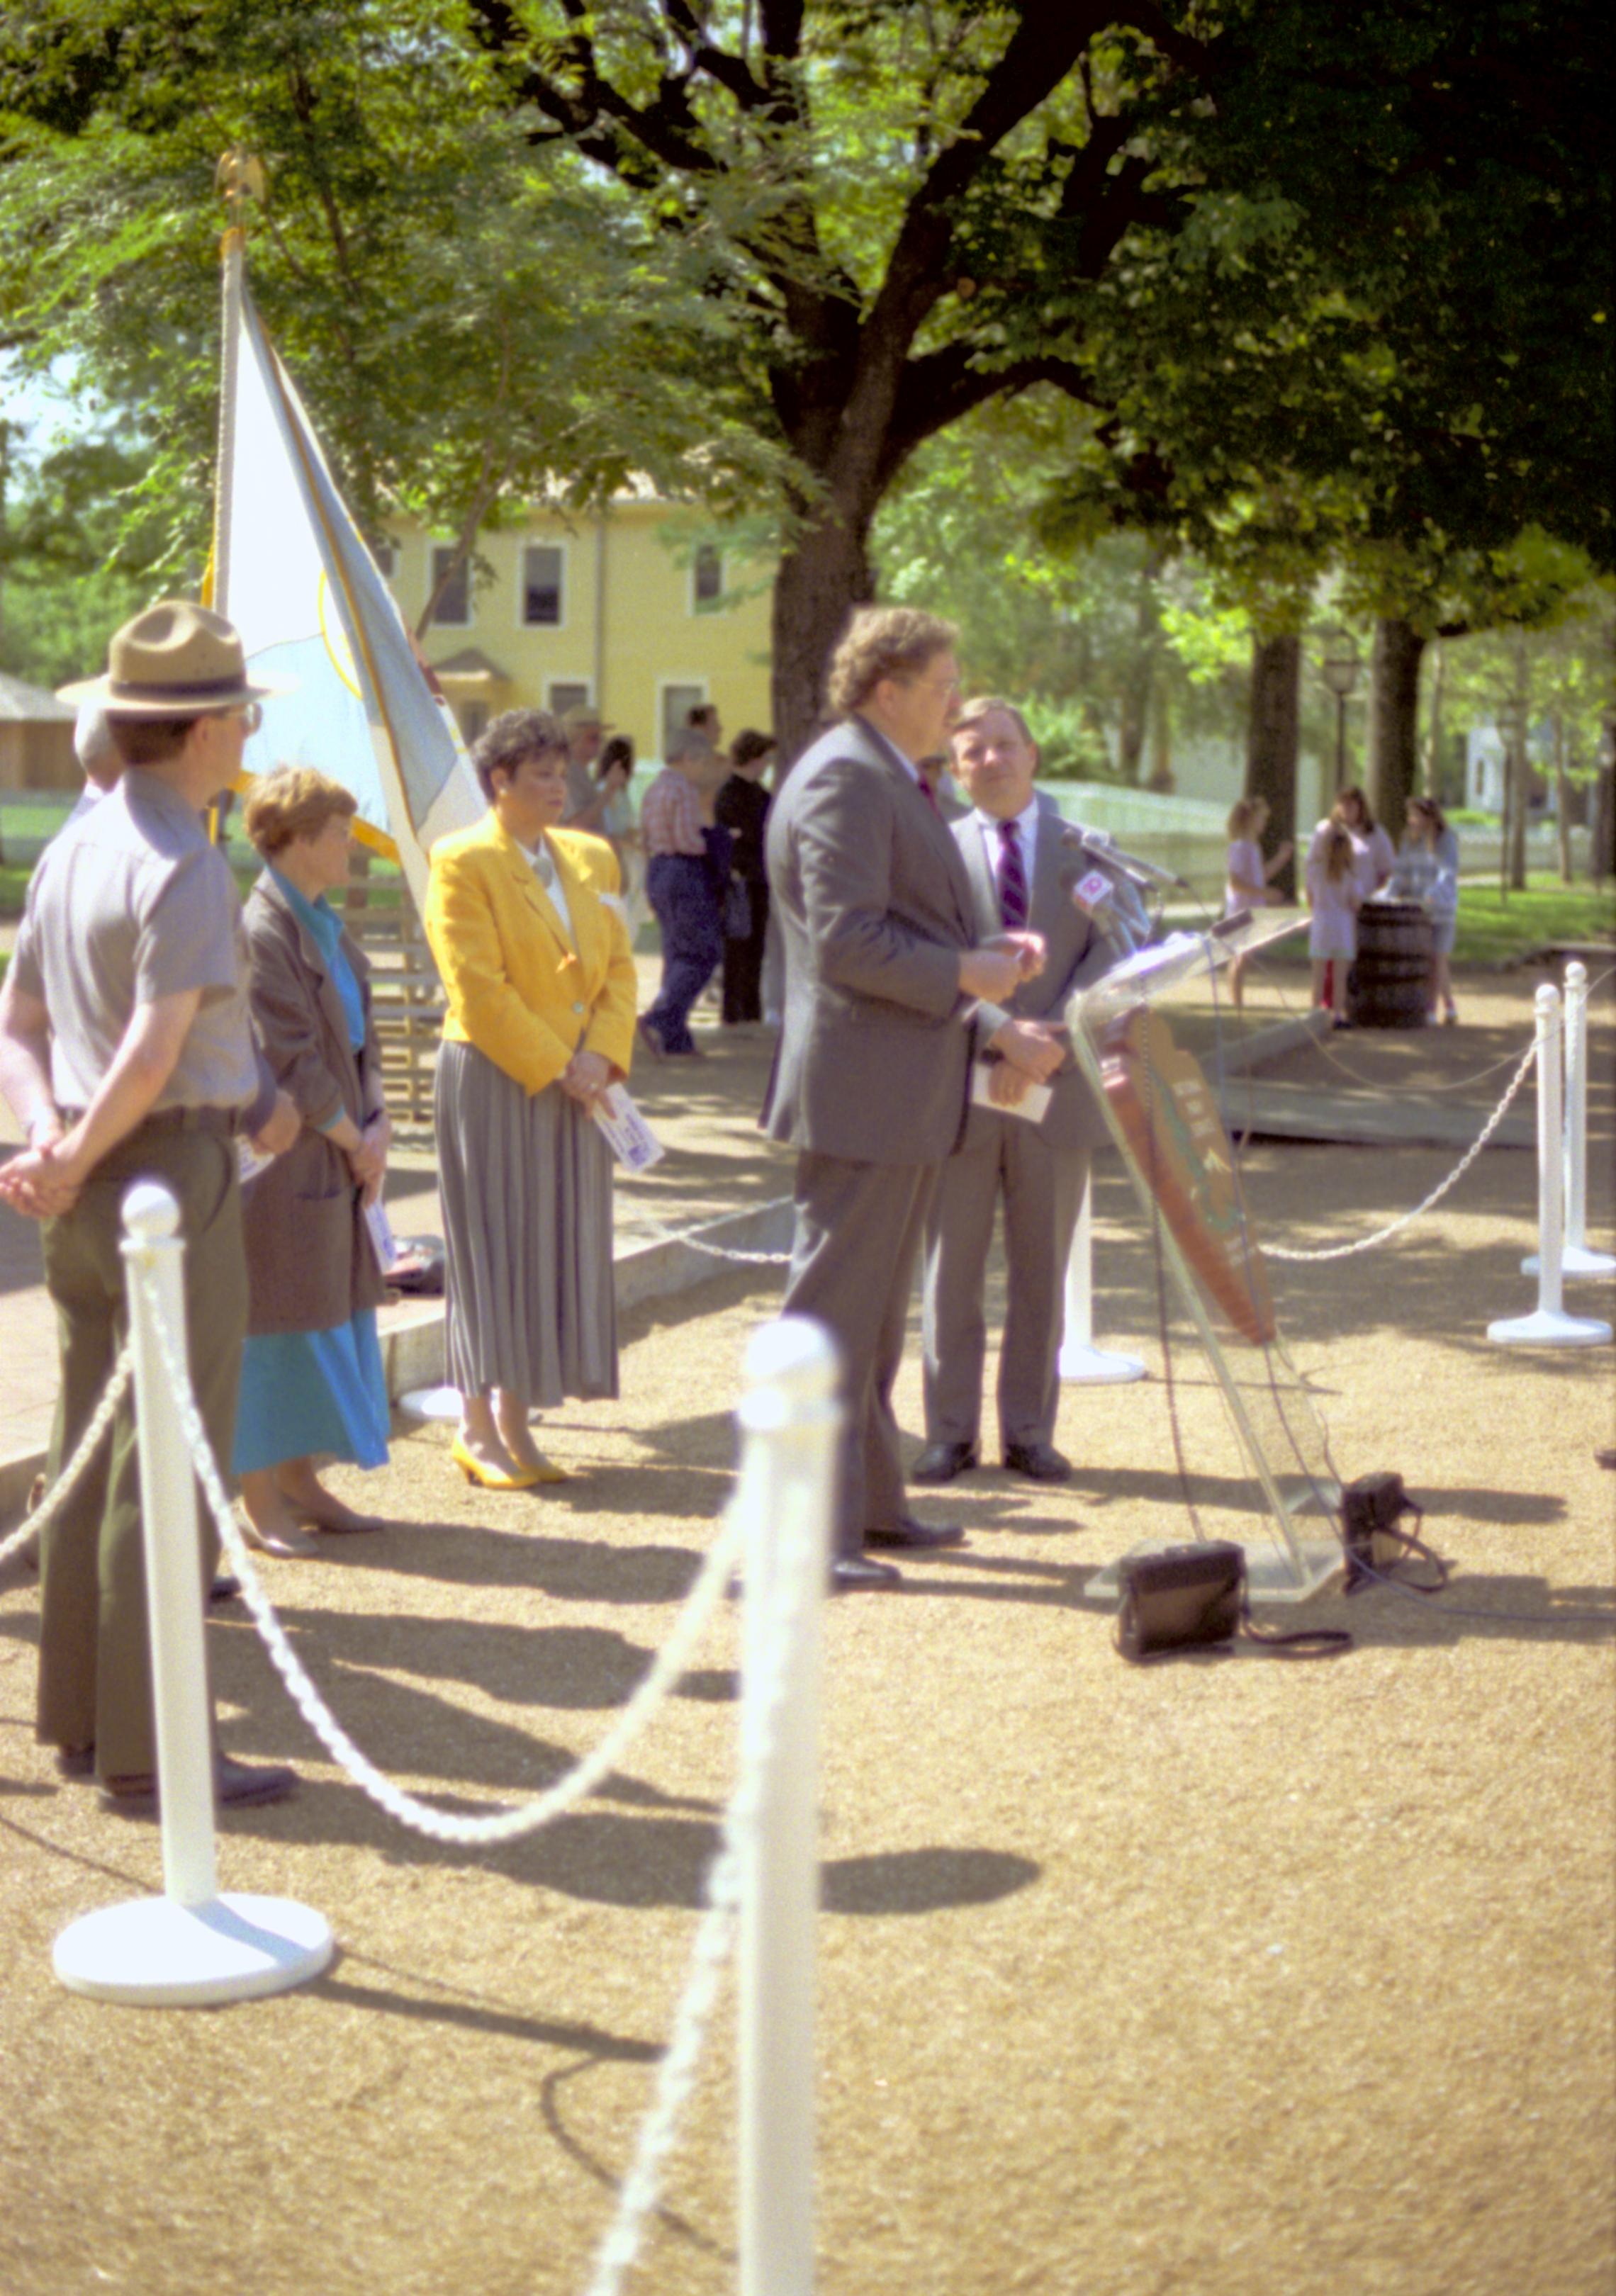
{"x": 323, "y": 921}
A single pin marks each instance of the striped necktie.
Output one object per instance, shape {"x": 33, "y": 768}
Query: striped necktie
{"x": 1011, "y": 877}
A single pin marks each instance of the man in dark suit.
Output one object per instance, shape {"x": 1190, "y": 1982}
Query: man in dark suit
{"x": 1022, "y": 866}
{"x": 869, "y": 1082}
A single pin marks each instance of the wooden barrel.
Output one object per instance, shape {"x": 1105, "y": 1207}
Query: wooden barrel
{"x": 1390, "y": 982}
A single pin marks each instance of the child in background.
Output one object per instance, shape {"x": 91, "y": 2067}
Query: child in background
{"x": 1248, "y": 874}
{"x": 1334, "y": 893}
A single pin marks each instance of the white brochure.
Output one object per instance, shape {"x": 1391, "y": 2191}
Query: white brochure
{"x": 381, "y": 1235}
{"x": 1033, "y": 1105}
{"x": 629, "y": 1137}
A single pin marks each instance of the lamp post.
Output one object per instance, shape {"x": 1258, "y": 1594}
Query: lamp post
{"x": 1339, "y": 668}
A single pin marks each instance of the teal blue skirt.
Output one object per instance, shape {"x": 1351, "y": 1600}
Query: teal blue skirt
{"x": 304, "y": 1392}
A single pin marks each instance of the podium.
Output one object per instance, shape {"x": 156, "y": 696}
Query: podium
{"x": 1164, "y": 1117}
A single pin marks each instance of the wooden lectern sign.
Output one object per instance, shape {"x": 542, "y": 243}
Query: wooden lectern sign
{"x": 1165, "y": 1118}
{"x": 1168, "y": 1115}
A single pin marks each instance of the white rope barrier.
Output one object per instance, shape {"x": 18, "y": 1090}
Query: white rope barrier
{"x": 1407, "y": 1219}
{"x": 61, "y": 1490}
{"x": 1549, "y": 1325}
{"x": 440, "y": 1825}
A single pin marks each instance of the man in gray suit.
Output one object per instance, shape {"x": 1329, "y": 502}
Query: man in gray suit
{"x": 870, "y": 1077}
{"x": 1022, "y": 866}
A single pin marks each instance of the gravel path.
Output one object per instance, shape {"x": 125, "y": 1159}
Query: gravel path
{"x": 1218, "y": 1978}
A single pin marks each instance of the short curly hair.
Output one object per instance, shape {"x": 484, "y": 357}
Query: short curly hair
{"x": 883, "y": 642}
{"x": 293, "y": 801}
{"x": 515, "y": 736}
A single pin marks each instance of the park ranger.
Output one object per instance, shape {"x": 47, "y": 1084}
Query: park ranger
{"x": 125, "y": 1053}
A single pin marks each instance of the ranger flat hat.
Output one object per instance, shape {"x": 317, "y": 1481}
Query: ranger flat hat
{"x": 174, "y": 660}
{"x": 583, "y": 713}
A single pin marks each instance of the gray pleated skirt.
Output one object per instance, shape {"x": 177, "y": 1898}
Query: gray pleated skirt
{"x": 525, "y": 1183}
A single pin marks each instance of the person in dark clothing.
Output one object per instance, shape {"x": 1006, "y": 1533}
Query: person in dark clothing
{"x": 741, "y": 806}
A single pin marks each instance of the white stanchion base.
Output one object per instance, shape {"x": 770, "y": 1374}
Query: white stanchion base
{"x": 1097, "y": 1366}
{"x": 1547, "y": 1328}
{"x": 1271, "y": 1574}
{"x": 1576, "y": 1259}
{"x": 430, "y": 1403}
{"x": 154, "y": 1954}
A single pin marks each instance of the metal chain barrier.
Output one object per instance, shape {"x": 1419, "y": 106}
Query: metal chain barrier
{"x": 421, "y": 1816}
{"x": 1384, "y": 1235}
{"x": 657, "y": 1234}
{"x": 93, "y": 1435}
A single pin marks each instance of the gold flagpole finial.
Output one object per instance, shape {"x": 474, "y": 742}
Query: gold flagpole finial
{"x": 238, "y": 178}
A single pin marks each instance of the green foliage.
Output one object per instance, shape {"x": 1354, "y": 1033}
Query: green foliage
{"x": 1496, "y": 929}
{"x": 470, "y": 320}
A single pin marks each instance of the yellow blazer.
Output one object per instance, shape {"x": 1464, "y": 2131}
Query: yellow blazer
{"x": 518, "y": 988}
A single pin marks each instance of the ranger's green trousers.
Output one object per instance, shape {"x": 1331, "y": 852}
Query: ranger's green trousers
{"x": 95, "y": 1651}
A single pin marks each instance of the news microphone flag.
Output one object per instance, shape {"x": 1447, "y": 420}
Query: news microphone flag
{"x": 314, "y": 612}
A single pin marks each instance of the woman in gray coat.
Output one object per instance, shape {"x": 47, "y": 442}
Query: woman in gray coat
{"x": 311, "y": 1375}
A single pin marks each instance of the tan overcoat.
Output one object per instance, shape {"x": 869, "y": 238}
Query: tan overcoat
{"x": 310, "y": 1261}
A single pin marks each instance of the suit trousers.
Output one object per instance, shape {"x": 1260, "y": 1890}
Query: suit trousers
{"x": 859, "y": 1233}
{"x": 1042, "y": 1191}
{"x": 94, "y": 1645}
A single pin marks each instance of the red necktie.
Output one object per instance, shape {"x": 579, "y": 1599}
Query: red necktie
{"x": 929, "y": 793}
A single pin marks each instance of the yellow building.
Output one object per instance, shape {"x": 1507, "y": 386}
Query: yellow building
{"x": 622, "y": 610}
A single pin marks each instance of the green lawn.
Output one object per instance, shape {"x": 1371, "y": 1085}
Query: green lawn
{"x": 1494, "y": 927}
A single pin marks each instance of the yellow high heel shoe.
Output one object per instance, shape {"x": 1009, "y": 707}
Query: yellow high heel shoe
{"x": 491, "y": 1479}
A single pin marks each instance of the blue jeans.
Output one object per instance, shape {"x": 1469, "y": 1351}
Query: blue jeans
{"x": 687, "y": 896}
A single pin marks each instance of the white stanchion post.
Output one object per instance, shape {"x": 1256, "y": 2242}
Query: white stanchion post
{"x": 791, "y": 1422}
{"x": 1080, "y": 1360}
{"x": 1578, "y": 1259}
{"x": 1549, "y": 1325}
{"x": 190, "y": 1947}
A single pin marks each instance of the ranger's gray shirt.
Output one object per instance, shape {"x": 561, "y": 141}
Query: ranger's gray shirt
{"x": 131, "y": 903}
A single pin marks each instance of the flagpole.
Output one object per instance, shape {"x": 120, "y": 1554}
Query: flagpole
{"x": 238, "y": 178}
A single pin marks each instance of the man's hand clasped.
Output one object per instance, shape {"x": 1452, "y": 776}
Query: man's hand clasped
{"x": 280, "y": 1128}
{"x": 996, "y": 970}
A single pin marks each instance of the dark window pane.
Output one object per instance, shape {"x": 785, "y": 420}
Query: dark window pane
{"x": 454, "y": 605}
{"x": 708, "y": 575}
{"x": 541, "y": 597}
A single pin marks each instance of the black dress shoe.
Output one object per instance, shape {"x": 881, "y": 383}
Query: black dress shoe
{"x": 940, "y": 1463}
{"x": 75, "y": 1761}
{"x": 850, "y": 1572}
{"x": 1041, "y": 1461}
{"x": 908, "y": 1533}
{"x": 236, "y": 1786}
{"x": 224, "y": 1588}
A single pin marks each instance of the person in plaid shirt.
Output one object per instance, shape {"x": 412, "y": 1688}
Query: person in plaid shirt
{"x": 687, "y": 869}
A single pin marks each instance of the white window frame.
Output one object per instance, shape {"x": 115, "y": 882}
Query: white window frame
{"x": 665, "y": 686}
{"x": 447, "y": 542}
{"x": 552, "y": 683}
{"x": 542, "y": 542}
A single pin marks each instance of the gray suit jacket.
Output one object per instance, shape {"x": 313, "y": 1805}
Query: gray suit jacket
{"x": 1077, "y": 954}
{"x": 875, "y": 907}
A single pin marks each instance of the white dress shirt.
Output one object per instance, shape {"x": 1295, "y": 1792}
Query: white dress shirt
{"x": 541, "y": 863}
{"x": 1027, "y": 838}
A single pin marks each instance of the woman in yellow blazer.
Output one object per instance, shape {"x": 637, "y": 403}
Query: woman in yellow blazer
{"x": 535, "y": 959}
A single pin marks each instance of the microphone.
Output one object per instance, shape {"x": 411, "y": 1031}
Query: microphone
{"x": 1146, "y": 874}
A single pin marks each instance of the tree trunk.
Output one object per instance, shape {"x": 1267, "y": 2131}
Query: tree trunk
{"x": 1272, "y": 729}
{"x": 1602, "y": 807}
{"x": 1161, "y": 741}
{"x": 819, "y": 583}
{"x": 1432, "y": 778}
{"x": 1394, "y": 704}
{"x": 1563, "y": 801}
{"x": 1517, "y": 770}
